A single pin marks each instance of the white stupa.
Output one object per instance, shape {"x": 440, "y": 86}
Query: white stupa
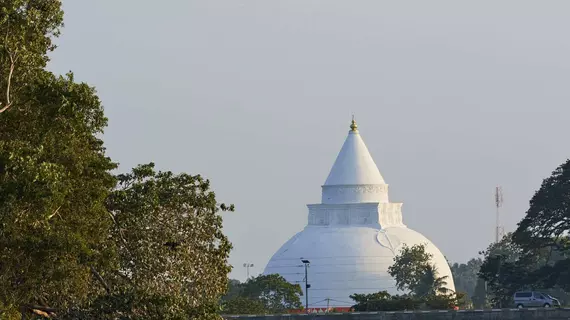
{"x": 352, "y": 236}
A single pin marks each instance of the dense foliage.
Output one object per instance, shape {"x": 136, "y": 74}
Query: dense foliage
{"x": 172, "y": 254}
{"x": 414, "y": 271}
{"x": 536, "y": 255}
{"x": 383, "y": 301}
{"x": 75, "y": 240}
{"x": 547, "y": 220}
{"x": 466, "y": 279}
{"x": 54, "y": 178}
{"x": 27, "y": 29}
{"x": 265, "y": 294}
{"x": 546, "y": 228}
{"x": 508, "y": 268}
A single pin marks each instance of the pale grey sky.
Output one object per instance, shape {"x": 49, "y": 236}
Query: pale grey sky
{"x": 451, "y": 97}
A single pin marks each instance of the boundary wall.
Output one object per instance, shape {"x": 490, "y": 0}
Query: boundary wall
{"x": 493, "y": 314}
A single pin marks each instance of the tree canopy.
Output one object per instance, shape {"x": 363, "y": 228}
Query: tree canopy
{"x": 546, "y": 228}
{"x": 27, "y": 30}
{"x": 547, "y": 220}
{"x": 509, "y": 267}
{"x": 502, "y": 271}
{"x": 383, "y": 301}
{"x": 172, "y": 254}
{"x": 466, "y": 279}
{"x": 535, "y": 256}
{"x": 263, "y": 294}
{"x": 414, "y": 271}
{"x": 76, "y": 240}
{"x": 54, "y": 178}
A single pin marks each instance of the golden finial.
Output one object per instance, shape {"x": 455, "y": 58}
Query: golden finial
{"x": 353, "y": 125}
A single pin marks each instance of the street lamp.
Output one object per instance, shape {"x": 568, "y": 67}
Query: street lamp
{"x": 247, "y": 265}
{"x": 307, "y": 285}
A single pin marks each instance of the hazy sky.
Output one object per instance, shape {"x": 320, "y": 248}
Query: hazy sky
{"x": 451, "y": 97}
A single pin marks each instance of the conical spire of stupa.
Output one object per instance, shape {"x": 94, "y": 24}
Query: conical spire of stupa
{"x": 354, "y": 164}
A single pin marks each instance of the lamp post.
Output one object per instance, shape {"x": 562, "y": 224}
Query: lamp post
{"x": 307, "y": 285}
{"x": 247, "y": 265}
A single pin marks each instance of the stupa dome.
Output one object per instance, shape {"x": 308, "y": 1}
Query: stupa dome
{"x": 352, "y": 237}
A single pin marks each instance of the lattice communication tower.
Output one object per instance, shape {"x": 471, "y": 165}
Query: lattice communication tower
{"x": 499, "y": 230}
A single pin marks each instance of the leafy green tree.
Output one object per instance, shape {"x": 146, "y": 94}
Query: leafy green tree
{"x": 243, "y": 305}
{"x": 509, "y": 267}
{"x": 430, "y": 283}
{"x": 502, "y": 271}
{"x": 535, "y": 256}
{"x": 449, "y": 300}
{"x": 479, "y": 297}
{"x": 27, "y": 29}
{"x": 465, "y": 276}
{"x": 54, "y": 175}
{"x": 70, "y": 244}
{"x": 276, "y": 294}
{"x": 272, "y": 291}
{"x": 53, "y": 171}
{"x": 383, "y": 301}
{"x": 414, "y": 271}
{"x": 409, "y": 265}
{"x": 546, "y": 228}
{"x": 54, "y": 178}
{"x": 235, "y": 288}
{"x": 547, "y": 220}
{"x": 172, "y": 252}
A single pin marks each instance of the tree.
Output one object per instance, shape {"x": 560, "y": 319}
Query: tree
{"x": 548, "y": 217}
{"x": 535, "y": 256}
{"x": 479, "y": 297}
{"x": 383, "y": 301}
{"x": 272, "y": 291}
{"x": 465, "y": 275}
{"x": 501, "y": 271}
{"x": 54, "y": 178}
{"x": 54, "y": 175}
{"x": 546, "y": 228}
{"x": 430, "y": 283}
{"x": 243, "y": 305}
{"x": 414, "y": 271}
{"x": 509, "y": 267}
{"x": 172, "y": 252}
{"x": 27, "y": 29}
{"x": 235, "y": 289}
{"x": 70, "y": 243}
{"x": 466, "y": 279}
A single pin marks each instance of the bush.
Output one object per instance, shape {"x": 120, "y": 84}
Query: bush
{"x": 383, "y": 301}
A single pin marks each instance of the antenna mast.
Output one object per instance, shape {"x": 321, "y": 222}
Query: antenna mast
{"x": 498, "y": 205}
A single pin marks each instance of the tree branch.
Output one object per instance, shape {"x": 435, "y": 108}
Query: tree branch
{"x": 100, "y": 279}
{"x": 123, "y": 239}
{"x": 54, "y": 213}
{"x": 46, "y": 312}
{"x": 9, "y": 82}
